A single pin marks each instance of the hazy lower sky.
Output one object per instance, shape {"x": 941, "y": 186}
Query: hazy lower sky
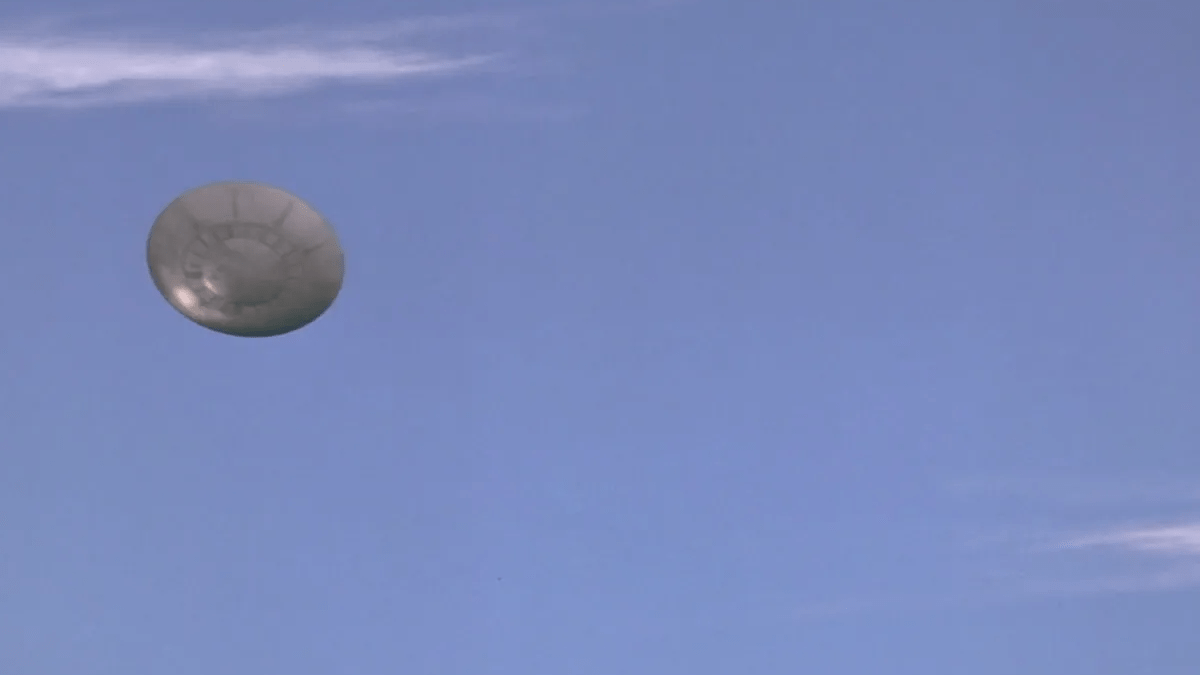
{"x": 677, "y": 338}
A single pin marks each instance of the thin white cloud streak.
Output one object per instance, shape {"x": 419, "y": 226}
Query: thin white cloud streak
{"x": 1151, "y": 557}
{"x": 66, "y": 71}
{"x": 1182, "y": 540}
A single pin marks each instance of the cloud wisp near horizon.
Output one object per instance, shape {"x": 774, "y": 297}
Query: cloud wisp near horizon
{"x": 73, "y": 69}
{"x": 1178, "y": 539}
{"x": 1114, "y": 534}
{"x": 1084, "y": 537}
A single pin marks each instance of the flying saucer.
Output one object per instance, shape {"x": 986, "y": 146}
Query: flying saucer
{"x": 245, "y": 259}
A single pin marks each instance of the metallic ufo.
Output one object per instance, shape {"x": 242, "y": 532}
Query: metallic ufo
{"x": 245, "y": 259}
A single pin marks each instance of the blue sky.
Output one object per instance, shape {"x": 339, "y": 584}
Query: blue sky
{"x": 677, "y": 337}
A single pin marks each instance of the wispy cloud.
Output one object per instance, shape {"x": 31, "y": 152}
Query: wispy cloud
{"x": 1178, "y": 540}
{"x": 1114, "y": 555}
{"x": 1064, "y": 537}
{"x": 42, "y": 67}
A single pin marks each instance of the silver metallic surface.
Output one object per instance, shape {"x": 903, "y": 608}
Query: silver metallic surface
{"x": 245, "y": 259}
